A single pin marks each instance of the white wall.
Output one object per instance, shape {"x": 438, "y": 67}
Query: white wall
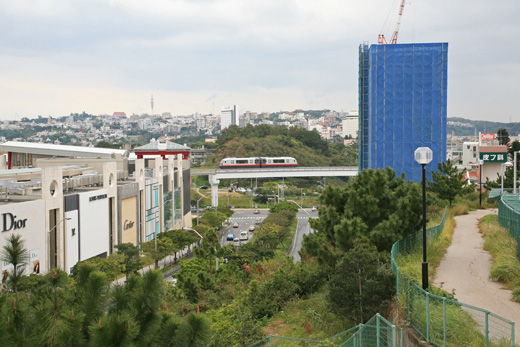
{"x": 32, "y": 230}
{"x": 93, "y": 223}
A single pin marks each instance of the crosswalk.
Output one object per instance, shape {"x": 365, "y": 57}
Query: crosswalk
{"x": 232, "y": 219}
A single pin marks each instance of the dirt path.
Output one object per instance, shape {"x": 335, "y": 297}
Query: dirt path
{"x": 465, "y": 268}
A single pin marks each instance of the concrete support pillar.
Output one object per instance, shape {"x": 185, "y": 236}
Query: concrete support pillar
{"x": 214, "y": 190}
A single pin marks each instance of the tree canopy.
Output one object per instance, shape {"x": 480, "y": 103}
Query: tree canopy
{"x": 376, "y": 205}
{"x": 448, "y": 181}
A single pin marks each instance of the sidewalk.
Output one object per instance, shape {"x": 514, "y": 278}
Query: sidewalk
{"x": 182, "y": 254}
{"x": 466, "y": 266}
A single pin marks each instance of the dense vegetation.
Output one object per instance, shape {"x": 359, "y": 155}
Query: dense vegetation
{"x": 264, "y": 140}
{"x": 253, "y": 288}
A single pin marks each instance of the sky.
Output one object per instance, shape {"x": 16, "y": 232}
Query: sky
{"x": 102, "y": 56}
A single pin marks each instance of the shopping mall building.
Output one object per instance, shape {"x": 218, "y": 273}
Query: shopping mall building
{"x": 73, "y": 203}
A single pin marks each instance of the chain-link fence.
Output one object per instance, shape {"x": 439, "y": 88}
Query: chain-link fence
{"x": 439, "y": 320}
{"x": 509, "y": 215}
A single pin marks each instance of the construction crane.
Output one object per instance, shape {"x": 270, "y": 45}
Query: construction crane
{"x": 381, "y": 38}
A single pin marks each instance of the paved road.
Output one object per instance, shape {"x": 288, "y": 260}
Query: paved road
{"x": 466, "y": 267}
{"x": 303, "y": 228}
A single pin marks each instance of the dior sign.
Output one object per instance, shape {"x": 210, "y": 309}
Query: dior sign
{"x": 11, "y": 223}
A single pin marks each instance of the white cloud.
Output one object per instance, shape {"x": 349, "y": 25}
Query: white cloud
{"x": 65, "y": 56}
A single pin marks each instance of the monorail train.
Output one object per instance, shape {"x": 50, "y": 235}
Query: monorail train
{"x": 257, "y": 162}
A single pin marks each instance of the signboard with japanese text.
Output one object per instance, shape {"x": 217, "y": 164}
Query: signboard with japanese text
{"x": 487, "y": 137}
{"x": 493, "y": 157}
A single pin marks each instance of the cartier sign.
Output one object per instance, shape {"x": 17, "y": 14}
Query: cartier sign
{"x": 128, "y": 224}
{"x": 10, "y": 222}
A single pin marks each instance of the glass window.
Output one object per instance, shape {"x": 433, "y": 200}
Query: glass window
{"x": 278, "y": 161}
{"x": 242, "y": 161}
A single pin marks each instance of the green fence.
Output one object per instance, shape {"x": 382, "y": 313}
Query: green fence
{"x": 377, "y": 332}
{"x": 509, "y": 215}
{"x": 441, "y": 321}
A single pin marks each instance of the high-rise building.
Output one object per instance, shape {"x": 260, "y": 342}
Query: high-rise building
{"x": 402, "y": 105}
{"x": 228, "y": 116}
{"x": 350, "y": 124}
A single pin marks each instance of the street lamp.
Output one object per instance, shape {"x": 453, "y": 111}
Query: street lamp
{"x": 423, "y": 156}
{"x": 298, "y": 206}
{"x": 196, "y": 232}
{"x": 507, "y": 163}
{"x": 49, "y": 242}
{"x": 480, "y": 163}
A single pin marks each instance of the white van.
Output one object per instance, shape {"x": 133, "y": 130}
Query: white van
{"x": 244, "y": 236}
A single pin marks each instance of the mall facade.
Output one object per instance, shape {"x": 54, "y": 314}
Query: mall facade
{"x": 72, "y": 209}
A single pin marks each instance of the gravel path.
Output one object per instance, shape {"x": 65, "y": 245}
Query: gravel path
{"x": 465, "y": 268}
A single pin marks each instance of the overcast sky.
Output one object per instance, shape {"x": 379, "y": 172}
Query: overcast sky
{"x": 100, "y": 56}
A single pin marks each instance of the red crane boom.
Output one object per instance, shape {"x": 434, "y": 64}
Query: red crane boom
{"x": 381, "y": 38}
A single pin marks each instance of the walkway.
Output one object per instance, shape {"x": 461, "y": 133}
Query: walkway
{"x": 168, "y": 261}
{"x": 466, "y": 267}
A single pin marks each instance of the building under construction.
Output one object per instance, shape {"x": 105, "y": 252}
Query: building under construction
{"x": 402, "y": 105}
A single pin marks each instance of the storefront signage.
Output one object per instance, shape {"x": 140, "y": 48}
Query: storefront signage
{"x": 128, "y": 224}
{"x": 97, "y": 197}
{"x": 10, "y": 222}
{"x": 487, "y": 137}
{"x": 493, "y": 157}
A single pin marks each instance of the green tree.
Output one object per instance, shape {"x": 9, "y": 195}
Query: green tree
{"x": 515, "y": 147}
{"x": 131, "y": 261}
{"x": 284, "y": 205}
{"x": 503, "y": 136}
{"x": 193, "y": 331}
{"x": 375, "y": 204}
{"x": 209, "y": 248}
{"x": 362, "y": 283}
{"x": 15, "y": 253}
{"x": 448, "y": 182}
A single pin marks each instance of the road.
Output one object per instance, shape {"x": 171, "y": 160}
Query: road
{"x": 303, "y": 228}
{"x": 244, "y": 219}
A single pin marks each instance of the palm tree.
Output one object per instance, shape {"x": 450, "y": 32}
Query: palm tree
{"x": 15, "y": 253}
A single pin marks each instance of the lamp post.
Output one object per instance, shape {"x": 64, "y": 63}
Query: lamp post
{"x": 423, "y": 156}
{"x": 294, "y": 202}
{"x": 49, "y": 242}
{"x": 480, "y": 163}
{"x": 507, "y": 163}
{"x": 515, "y": 164}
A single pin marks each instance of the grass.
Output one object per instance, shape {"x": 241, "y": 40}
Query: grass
{"x": 504, "y": 252}
{"x": 308, "y": 317}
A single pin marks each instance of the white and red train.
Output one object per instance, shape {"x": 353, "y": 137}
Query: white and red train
{"x": 257, "y": 162}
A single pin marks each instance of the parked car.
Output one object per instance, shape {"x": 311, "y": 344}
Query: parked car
{"x": 314, "y": 208}
{"x": 235, "y": 225}
{"x": 203, "y": 187}
{"x": 256, "y": 211}
{"x": 252, "y": 228}
{"x": 230, "y": 237}
{"x": 236, "y": 242}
